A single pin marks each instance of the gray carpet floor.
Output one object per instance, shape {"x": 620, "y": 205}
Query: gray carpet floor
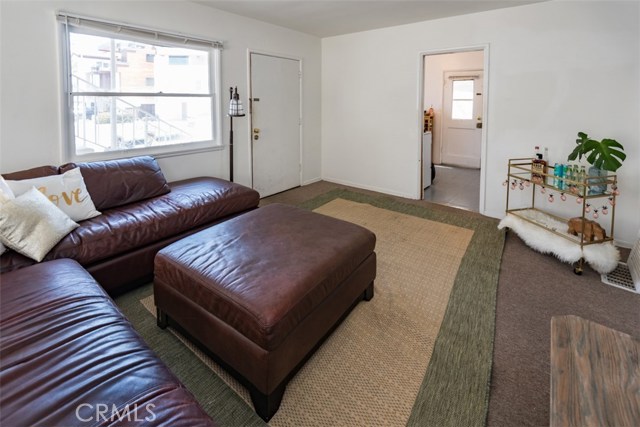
{"x": 532, "y": 288}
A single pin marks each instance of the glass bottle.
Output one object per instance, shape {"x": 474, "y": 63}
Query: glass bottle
{"x": 558, "y": 171}
{"x": 538, "y": 167}
{"x": 582, "y": 175}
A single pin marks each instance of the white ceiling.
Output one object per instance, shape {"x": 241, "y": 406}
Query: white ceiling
{"x": 325, "y": 18}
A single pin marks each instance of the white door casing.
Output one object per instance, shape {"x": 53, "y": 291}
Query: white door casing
{"x": 275, "y": 110}
{"x": 462, "y": 118}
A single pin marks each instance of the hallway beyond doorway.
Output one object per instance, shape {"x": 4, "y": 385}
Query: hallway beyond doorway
{"x": 456, "y": 187}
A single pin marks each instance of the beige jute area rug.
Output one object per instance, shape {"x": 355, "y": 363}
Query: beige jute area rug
{"x": 369, "y": 371}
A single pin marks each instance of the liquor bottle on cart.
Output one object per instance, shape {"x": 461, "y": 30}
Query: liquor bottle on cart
{"x": 538, "y": 167}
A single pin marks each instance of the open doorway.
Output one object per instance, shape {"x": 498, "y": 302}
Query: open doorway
{"x": 454, "y": 134}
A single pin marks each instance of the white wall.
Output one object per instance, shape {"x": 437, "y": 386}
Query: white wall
{"x": 556, "y": 68}
{"x": 30, "y": 126}
{"x": 434, "y": 68}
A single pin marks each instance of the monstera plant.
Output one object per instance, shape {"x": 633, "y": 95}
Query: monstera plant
{"x": 607, "y": 154}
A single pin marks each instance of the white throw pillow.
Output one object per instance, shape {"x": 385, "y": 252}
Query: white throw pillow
{"x": 66, "y": 191}
{"x": 5, "y": 195}
{"x": 32, "y": 225}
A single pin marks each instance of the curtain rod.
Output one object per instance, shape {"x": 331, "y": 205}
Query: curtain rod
{"x": 69, "y": 19}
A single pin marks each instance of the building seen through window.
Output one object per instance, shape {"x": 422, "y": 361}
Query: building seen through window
{"x": 126, "y": 94}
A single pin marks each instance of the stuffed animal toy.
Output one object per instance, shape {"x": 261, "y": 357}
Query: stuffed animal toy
{"x": 591, "y": 230}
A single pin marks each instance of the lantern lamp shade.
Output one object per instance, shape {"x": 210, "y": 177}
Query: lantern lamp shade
{"x": 235, "y": 105}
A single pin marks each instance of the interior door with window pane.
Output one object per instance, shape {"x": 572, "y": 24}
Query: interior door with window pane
{"x": 462, "y": 121}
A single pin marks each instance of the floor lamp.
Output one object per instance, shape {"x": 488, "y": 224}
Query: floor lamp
{"x": 235, "y": 110}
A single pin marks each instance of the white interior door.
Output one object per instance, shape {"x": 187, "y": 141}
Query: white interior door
{"x": 462, "y": 119}
{"x": 275, "y": 123}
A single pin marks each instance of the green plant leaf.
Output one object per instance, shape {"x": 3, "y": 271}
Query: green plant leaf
{"x": 579, "y": 151}
{"x": 607, "y": 154}
{"x": 574, "y": 154}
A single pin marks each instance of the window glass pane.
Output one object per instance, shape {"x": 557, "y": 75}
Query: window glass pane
{"x": 106, "y": 64}
{"x": 178, "y": 60}
{"x": 105, "y": 123}
{"x": 461, "y": 110}
{"x": 463, "y": 89}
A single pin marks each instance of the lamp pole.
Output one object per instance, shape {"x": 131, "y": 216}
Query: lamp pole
{"x": 235, "y": 110}
{"x": 230, "y": 138}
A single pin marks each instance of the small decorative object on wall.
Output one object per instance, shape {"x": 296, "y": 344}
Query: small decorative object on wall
{"x": 605, "y": 155}
{"x": 235, "y": 110}
{"x": 428, "y": 120}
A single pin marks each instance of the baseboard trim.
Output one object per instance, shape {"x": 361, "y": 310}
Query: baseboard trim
{"x": 461, "y": 161}
{"x": 311, "y": 181}
{"x": 369, "y": 187}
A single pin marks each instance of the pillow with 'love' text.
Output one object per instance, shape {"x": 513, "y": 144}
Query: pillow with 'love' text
{"x": 67, "y": 191}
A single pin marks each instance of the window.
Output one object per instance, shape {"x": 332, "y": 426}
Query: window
{"x": 462, "y": 100}
{"x": 126, "y": 94}
{"x": 178, "y": 60}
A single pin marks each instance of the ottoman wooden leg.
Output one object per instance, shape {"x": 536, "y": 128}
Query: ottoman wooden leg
{"x": 161, "y": 318}
{"x": 266, "y": 405}
{"x": 368, "y": 293}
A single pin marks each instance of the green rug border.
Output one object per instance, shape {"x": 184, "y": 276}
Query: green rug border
{"x": 455, "y": 389}
{"x": 461, "y": 362}
{"x": 214, "y": 395}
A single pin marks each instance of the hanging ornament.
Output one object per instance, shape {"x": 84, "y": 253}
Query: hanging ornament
{"x": 588, "y": 208}
{"x": 595, "y": 214}
{"x": 612, "y": 201}
{"x": 563, "y": 197}
{"x": 550, "y": 198}
{"x": 513, "y": 184}
{"x": 579, "y": 200}
{"x": 615, "y": 190}
{"x": 505, "y": 183}
{"x": 605, "y": 210}
{"x": 521, "y": 186}
{"x": 542, "y": 190}
{"x": 527, "y": 183}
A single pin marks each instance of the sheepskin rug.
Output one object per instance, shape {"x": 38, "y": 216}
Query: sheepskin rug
{"x": 603, "y": 257}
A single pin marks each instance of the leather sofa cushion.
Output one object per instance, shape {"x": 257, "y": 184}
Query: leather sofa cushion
{"x": 263, "y": 272}
{"x": 191, "y": 203}
{"x": 119, "y": 182}
{"x": 64, "y": 343}
{"x": 38, "y": 172}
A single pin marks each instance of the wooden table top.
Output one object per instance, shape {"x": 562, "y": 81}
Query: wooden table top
{"x": 595, "y": 375}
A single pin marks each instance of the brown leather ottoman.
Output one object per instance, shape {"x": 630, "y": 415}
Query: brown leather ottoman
{"x": 262, "y": 291}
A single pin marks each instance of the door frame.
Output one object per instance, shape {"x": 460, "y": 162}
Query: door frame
{"x": 485, "y": 117}
{"x": 250, "y": 108}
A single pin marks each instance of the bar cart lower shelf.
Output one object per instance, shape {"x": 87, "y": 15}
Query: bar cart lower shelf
{"x": 540, "y": 230}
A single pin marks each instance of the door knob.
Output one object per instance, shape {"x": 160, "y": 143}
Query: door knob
{"x": 256, "y": 130}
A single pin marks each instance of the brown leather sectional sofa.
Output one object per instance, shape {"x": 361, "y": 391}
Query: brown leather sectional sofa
{"x": 141, "y": 213}
{"x": 70, "y": 358}
{"x": 67, "y": 354}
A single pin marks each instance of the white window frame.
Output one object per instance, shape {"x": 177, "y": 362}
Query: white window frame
{"x": 112, "y": 29}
